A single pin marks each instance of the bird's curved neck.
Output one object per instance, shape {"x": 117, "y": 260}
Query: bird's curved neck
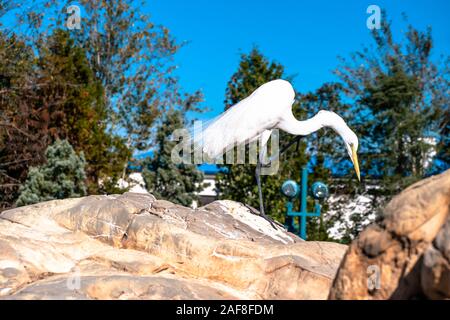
{"x": 322, "y": 119}
{"x": 303, "y": 127}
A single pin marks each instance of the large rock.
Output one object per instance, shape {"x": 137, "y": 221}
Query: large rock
{"x": 133, "y": 246}
{"x": 406, "y": 254}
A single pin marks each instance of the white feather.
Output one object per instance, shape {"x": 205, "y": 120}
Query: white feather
{"x": 247, "y": 120}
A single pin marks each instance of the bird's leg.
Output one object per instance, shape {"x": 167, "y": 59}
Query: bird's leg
{"x": 298, "y": 144}
{"x": 273, "y": 158}
{"x": 261, "y": 203}
{"x": 258, "y": 176}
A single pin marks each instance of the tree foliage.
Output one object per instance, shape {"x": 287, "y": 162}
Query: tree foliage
{"x": 49, "y": 94}
{"x": 399, "y": 94}
{"x": 74, "y": 98}
{"x": 165, "y": 179}
{"x": 133, "y": 58}
{"x": 23, "y": 135}
{"x": 61, "y": 177}
{"x": 113, "y": 77}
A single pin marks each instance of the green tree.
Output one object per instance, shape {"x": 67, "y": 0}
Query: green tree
{"x": 74, "y": 100}
{"x": 48, "y": 94}
{"x": 165, "y": 179}
{"x": 133, "y": 58}
{"x": 23, "y": 132}
{"x": 398, "y": 96}
{"x": 398, "y": 93}
{"x": 237, "y": 182}
{"x": 130, "y": 55}
{"x": 61, "y": 177}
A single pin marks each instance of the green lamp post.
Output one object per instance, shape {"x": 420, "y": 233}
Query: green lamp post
{"x": 291, "y": 190}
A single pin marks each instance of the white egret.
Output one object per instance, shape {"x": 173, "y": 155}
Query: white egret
{"x": 269, "y": 107}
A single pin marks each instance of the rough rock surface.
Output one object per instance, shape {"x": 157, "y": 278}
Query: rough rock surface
{"x": 406, "y": 254}
{"x": 133, "y": 246}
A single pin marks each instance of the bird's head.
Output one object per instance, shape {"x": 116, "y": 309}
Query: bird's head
{"x": 351, "y": 144}
{"x": 338, "y": 124}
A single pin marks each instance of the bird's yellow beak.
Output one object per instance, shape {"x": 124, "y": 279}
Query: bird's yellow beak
{"x": 355, "y": 162}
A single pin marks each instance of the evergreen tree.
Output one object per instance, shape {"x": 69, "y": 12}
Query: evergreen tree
{"x": 74, "y": 100}
{"x": 23, "y": 132}
{"x": 129, "y": 54}
{"x": 398, "y": 94}
{"x": 61, "y": 177}
{"x": 51, "y": 94}
{"x": 133, "y": 58}
{"x": 178, "y": 183}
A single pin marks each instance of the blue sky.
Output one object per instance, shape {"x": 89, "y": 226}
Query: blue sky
{"x": 305, "y": 36}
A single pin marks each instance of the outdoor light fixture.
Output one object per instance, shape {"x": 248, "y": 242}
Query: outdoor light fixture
{"x": 291, "y": 190}
{"x": 319, "y": 190}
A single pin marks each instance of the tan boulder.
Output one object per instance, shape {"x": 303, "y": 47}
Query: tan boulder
{"x": 406, "y": 254}
{"x": 133, "y": 246}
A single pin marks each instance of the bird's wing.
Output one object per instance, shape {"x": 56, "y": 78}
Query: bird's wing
{"x": 247, "y": 120}
{"x": 238, "y": 125}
